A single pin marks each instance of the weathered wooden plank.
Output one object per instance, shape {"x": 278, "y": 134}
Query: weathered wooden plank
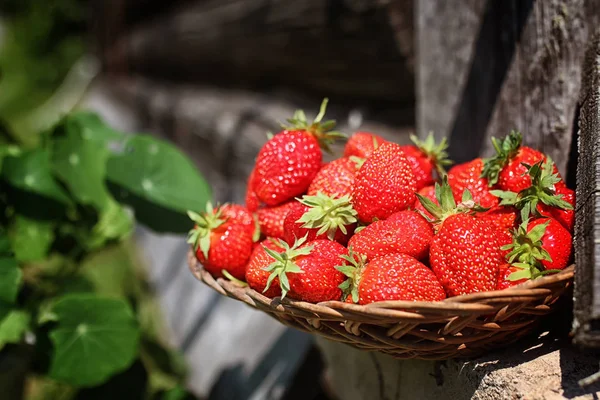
{"x": 524, "y": 73}
{"x": 445, "y": 32}
{"x": 356, "y": 49}
{"x": 587, "y": 225}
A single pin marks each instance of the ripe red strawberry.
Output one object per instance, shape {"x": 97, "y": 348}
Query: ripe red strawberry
{"x": 362, "y": 144}
{"x": 465, "y": 252}
{"x": 271, "y": 219}
{"x": 404, "y": 232}
{"x": 320, "y": 217}
{"x": 384, "y": 184}
{"x": 256, "y": 275}
{"x": 504, "y": 276}
{"x": 238, "y": 214}
{"x": 545, "y": 197}
{"x": 504, "y": 238}
{"x": 506, "y": 167}
{"x": 565, "y": 216}
{"x": 541, "y": 241}
{"x": 335, "y": 178}
{"x": 425, "y": 157}
{"x": 222, "y": 239}
{"x": 252, "y": 200}
{"x": 428, "y": 192}
{"x": 307, "y": 271}
{"x": 503, "y": 218}
{"x": 467, "y": 177}
{"x": 390, "y": 277}
{"x": 288, "y": 162}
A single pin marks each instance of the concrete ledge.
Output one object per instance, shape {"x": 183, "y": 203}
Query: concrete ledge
{"x": 543, "y": 367}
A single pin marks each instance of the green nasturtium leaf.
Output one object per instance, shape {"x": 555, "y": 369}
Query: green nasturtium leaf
{"x": 158, "y": 181}
{"x": 81, "y": 164}
{"x": 92, "y": 127}
{"x": 115, "y": 222}
{"x": 5, "y": 247}
{"x": 7, "y": 150}
{"x": 31, "y": 238}
{"x": 94, "y": 338}
{"x": 13, "y": 326}
{"x": 31, "y": 172}
{"x": 10, "y": 279}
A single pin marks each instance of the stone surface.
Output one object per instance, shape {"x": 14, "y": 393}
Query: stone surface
{"x": 546, "y": 369}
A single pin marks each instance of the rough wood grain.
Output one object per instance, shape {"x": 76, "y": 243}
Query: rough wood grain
{"x": 587, "y": 225}
{"x": 345, "y": 48}
{"x": 524, "y": 73}
{"x": 443, "y": 59}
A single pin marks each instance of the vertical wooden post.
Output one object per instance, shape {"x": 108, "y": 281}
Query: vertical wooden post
{"x": 587, "y": 226}
{"x": 521, "y": 70}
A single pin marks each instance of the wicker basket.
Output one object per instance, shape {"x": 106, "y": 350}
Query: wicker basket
{"x": 458, "y": 327}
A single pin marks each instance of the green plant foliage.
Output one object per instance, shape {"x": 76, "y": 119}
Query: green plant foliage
{"x": 95, "y": 337}
{"x": 67, "y": 275}
{"x": 80, "y": 164}
{"x": 41, "y": 41}
{"x": 158, "y": 181}
{"x": 30, "y": 238}
{"x": 12, "y": 326}
{"x": 10, "y": 279}
{"x": 31, "y": 172}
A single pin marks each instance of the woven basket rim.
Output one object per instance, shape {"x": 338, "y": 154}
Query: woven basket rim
{"x": 478, "y": 302}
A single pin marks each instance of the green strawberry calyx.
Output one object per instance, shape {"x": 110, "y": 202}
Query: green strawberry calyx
{"x": 435, "y": 152}
{"x": 321, "y": 130}
{"x": 506, "y": 149}
{"x": 353, "y": 271}
{"x": 542, "y": 190}
{"x": 285, "y": 262}
{"x": 327, "y": 214}
{"x": 233, "y": 279}
{"x": 447, "y": 205}
{"x": 524, "y": 271}
{"x": 526, "y": 250}
{"x": 205, "y": 223}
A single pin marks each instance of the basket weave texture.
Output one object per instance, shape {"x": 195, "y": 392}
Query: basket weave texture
{"x": 458, "y": 327}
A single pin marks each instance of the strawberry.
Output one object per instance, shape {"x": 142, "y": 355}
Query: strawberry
{"x": 466, "y": 176}
{"x": 465, "y": 253}
{"x": 252, "y": 200}
{"x": 238, "y": 214}
{"x": 335, "y": 178}
{"x": 429, "y": 192}
{"x": 404, "y": 232}
{"x": 390, "y": 277}
{"x": 384, "y": 184}
{"x": 271, "y": 219}
{"x": 288, "y": 162}
{"x": 425, "y": 157}
{"x": 306, "y": 270}
{"x": 256, "y": 275}
{"x": 506, "y": 167}
{"x": 362, "y": 144}
{"x": 566, "y": 216}
{"x": 541, "y": 243}
{"x": 503, "y": 218}
{"x": 544, "y": 197}
{"x": 320, "y": 217}
{"x": 222, "y": 239}
{"x": 504, "y": 276}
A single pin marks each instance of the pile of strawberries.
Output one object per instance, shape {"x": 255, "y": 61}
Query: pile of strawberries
{"x": 385, "y": 221}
